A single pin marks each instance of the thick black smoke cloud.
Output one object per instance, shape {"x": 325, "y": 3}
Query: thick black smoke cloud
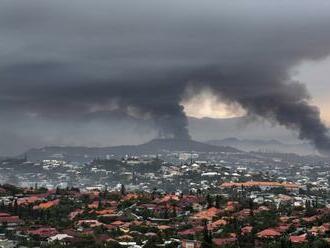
{"x": 277, "y": 99}
{"x": 63, "y": 60}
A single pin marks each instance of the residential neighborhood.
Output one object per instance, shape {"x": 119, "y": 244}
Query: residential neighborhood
{"x": 247, "y": 214}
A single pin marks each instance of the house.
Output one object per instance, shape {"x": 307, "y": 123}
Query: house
{"x": 93, "y": 205}
{"x": 191, "y": 244}
{"x": 191, "y": 231}
{"x": 317, "y": 230}
{"x": 130, "y": 196}
{"x": 187, "y": 232}
{"x": 7, "y": 243}
{"x": 164, "y": 227}
{"x": 197, "y": 206}
{"x": 118, "y": 223}
{"x": 75, "y": 213}
{"x": 268, "y": 233}
{"x": 282, "y": 228}
{"x": 216, "y": 224}
{"x": 28, "y": 200}
{"x": 246, "y": 230}
{"x": 220, "y": 242}
{"x": 44, "y": 232}
{"x": 311, "y": 219}
{"x": 10, "y": 220}
{"x": 90, "y": 223}
{"x": 261, "y": 185}
{"x": 60, "y": 237}
{"x": 46, "y": 205}
{"x": 231, "y": 206}
{"x": 208, "y": 214}
{"x": 244, "y": 213}
{"x": 298, "y": 239}
{"x": 105, "y": 211}
{"x": 2, "y": 191}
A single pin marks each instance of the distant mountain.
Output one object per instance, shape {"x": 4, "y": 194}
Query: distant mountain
{"x": 242, "y": 127}
{"x": 155, "y": 146}
{"x": 264, "y": 145}
{"x": 183, "y": 145}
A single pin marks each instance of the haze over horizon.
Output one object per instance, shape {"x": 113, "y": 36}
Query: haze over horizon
{"x": 107, "y": 73}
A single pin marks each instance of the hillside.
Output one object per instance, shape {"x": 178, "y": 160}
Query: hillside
{"x": 155, "y": 146}
{"x": 264, "y": 145}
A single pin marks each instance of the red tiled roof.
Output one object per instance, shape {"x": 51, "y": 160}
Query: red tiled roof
{"x": 190, "y": 198}
{"x": 164, "y": 227}
{"x": 261, "y": 209}
{"x": 28, "y": 200}
{"x": 298, "y": 239}
{"x": 311, "y": 219}
{"x": 216, "y": 224}
{"x": 105, "y": 211}
{"x": 268, "y": 233}
{"x": 246, "y": 229}
{"x": 231, "y": 206}
{"x": 259, "y": 184}
{"x": 102, "y": 237}
{"x": 125, "y": 237}
{"x": 223, "y": 241}
{"x": 91, "y": 223}
{"x": 168, "y": 198}
{"x": 207, "y": 214}
{"x": 192, "y": 231}
{"x": 49, "y": 204}
{"x": 244, "y": 213}
{"x": 44, "y": 232}
{"x": 187, "y": 232}
{"x": 94, "y": 205}
{"x": 74, "y": 214}
{"x": 326, "y": 226}
{"x": 148, "y": 205}
{"x": 118, "y": 223}
{"x": 284, "y": 219}
{"x": 130, "y": 196}
{"x": 191, "y": 243}
{"x": 10, "y": 219}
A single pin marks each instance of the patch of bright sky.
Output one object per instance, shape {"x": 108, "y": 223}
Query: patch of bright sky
{"x": 315, "y": 74}
{"x": 207, "y": 104}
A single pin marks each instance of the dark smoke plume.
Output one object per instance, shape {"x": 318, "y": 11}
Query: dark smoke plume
{"x": 271, "y": 95}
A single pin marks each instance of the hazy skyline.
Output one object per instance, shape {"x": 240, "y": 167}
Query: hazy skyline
{"x": 67, "y": 67}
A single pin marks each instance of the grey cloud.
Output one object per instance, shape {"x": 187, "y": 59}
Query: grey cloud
{"x": 59, "y": 59}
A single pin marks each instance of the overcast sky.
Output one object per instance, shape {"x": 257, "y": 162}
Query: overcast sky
{"x": 65, "y": 66}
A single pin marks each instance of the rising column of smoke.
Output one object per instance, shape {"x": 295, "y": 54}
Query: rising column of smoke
{"x": 158, "y": 102}
{"x": 267, "y": 91}
{"x": 169, "y": 119}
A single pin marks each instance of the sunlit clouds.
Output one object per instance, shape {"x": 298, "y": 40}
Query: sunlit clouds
{"x": 207, "y": 104}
